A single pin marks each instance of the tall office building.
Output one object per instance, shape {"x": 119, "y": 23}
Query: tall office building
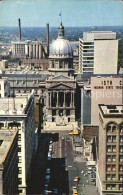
{"x": 110, "y": 160}
{"x": 98, "y": 53}
{"x": 19, "y": 113}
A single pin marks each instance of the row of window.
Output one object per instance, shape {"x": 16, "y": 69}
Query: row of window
{"x": 112, "y": 158}
{"x": 113, "y": 177}
{"x": 112, "y": 148}
{"x": 113, "y": 187}
{"x": 113, "y": 139}
{"x": 112, "y": 168}
{"x": 111, "y": 128}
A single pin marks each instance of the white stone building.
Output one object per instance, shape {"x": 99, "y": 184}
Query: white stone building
{"x": 19, "y": 113}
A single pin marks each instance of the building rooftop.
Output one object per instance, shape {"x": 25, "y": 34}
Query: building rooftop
{"x": 99, "y": 35}
{"x": 111, "y": 110}
{"x": 6, "y": 140}
{"x": 13, "y": 106}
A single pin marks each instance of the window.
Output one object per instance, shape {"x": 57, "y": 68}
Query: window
{"x": 20, "y": 170}
{"x": 121, "y": 128}
{"x": 121, "y": 148}
{"x": 114, "y": 158}
{"x": 108, "y": 177}
{"x": 114, "y": 129}
{"x": 109, "y": 158}
{"x": 121, "y": 177}
{"x": 19, "y": 180}
{"x": 121, "y": 139}
{"x": 108, "y": 138}
{"x": 108, "y": 167}
{"x": 108, "y": 128}
{"x": 113, "y": 186}
{"x": 19, "y": 148}
{"x": 113, "y": 177}
{"x": 109, "y": 149}
{"x": 121, "y": 187}
{"x": 113, "y": 148}
{"x": 113, "y": 168}
{"x": 19, "y": 137}
{"x": 121, "y": 158}
{"x": 113, "y": 138}
{"x": 19, "y": 159}
{"x": 121, "y": 168}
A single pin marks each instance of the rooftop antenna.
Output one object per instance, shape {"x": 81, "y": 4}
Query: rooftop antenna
{"x": 60, "y": 14}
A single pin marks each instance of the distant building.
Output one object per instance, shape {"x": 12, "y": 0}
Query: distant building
{"x": 110, "y": 160}
{"x": 98, "y": 53}
{"x": 3, "y": 64}
{"x": 104, "y": 90}
{"x": 8, "y": 161}
{"x": 29, "y": 49}
{"x": 19, "y": 113}
{"x": 4, "y": 87}
{"x": 20, "y": 49}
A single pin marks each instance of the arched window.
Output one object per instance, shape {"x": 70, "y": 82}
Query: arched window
{"x": 111, "y": 128}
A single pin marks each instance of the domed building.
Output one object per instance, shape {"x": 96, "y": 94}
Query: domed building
{"x": 61, "y": 55}
{"x": 60, "y": 86}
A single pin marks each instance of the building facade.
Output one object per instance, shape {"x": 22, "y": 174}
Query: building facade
{"x": 104, "y": 90}
{"x": 8, "y": 161}
{"x": 60, "y": 86}
{"x": 19, "y": 113}
{"x": 110, "y": 160}
{"x": 98, "y": 53}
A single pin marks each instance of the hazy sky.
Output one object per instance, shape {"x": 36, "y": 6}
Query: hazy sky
{"x": 74, "y": 12}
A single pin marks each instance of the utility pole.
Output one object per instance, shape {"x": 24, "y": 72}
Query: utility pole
{"x": 81, "y": 112}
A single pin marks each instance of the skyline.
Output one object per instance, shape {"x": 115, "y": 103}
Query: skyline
{"x": 75, "y": 13}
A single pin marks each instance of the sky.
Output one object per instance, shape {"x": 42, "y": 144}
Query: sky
{"x": 75, "y": 13}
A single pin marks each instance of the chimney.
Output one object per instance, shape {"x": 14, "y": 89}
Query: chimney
{"x": 47, "y": 39}
{"x": 19, "y": 23}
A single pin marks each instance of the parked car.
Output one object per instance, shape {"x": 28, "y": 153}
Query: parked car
{"x": 74, "y": 132}
{"x": 47, "y": 178}
{"x": 46, "y": 187}
{"x": 55, "y": 191}
{"x": 77, "y": 178}
{"x": 48, "y": 170}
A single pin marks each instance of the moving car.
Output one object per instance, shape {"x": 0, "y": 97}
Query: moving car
{"x": 74, "y": 132}
{"x": 77, "y": 178}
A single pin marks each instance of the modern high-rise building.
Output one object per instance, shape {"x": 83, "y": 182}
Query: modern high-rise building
{"x": 98, "y": 53}
{"x": 18, "y": 113}
{"x": 110, "y": 159}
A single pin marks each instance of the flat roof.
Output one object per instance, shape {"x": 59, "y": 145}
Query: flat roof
{"x": 6, "y": 139}
{"x": 111, "y": 110}
{"x": 13, "y": 106}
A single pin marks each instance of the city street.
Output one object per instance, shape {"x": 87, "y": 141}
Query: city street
{"x": 65, "y": 164}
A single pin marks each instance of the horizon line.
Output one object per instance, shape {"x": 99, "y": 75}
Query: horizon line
{"x": 94, "y": 26}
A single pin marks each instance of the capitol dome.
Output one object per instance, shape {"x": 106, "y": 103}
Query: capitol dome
{"x": 61, "y": 47}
